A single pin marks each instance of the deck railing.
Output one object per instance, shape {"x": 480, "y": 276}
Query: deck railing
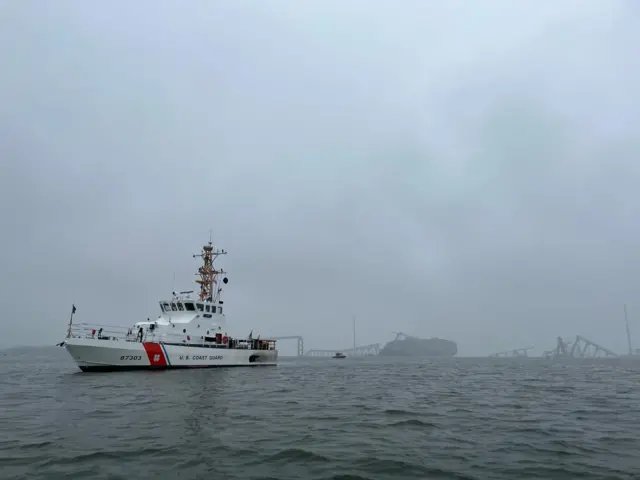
{"x": 130, "y": 334}
{"x": 109, "y": 332}
{"x": 126, "y": 334}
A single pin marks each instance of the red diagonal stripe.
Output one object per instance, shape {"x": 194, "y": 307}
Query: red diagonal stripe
{"x": 155, "y": 354}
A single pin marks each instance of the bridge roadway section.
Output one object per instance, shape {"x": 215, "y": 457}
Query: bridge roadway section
{"x": 360, "y": 351}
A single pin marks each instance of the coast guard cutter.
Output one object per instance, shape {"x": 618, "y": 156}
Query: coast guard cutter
{"x": 188, "y": 333}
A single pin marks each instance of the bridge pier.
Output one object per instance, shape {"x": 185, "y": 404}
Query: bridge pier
{"x": 294, "y": 337}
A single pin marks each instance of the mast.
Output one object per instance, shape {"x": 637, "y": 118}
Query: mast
{"x": 628, "y": 332}
{"x": 73, "y": 310}
{"x": 208, "y": 274}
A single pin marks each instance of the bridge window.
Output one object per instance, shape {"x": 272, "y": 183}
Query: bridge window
{"x": 174, "y": 307}
{"x": 180, "y": 307}
{"x": 200, "y": 307}
{"x": 208, "y": 307}
{"x": 219, "y": 309}
{"x": 213, "y": 308}
{"x": 189, "y": 307}
{"x": 165, "y": 307}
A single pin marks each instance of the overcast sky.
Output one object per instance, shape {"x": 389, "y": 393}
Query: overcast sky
{"x": 468, "y": 170}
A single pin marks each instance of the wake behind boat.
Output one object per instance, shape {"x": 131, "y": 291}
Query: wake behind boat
{"x": 188, "y": 333}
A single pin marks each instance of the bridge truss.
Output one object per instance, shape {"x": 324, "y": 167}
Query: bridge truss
{"x": 580, "y": 347}
{"x": 516, "y": 352}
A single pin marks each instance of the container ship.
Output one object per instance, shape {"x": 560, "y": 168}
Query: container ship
{"x": 410, "y": 346}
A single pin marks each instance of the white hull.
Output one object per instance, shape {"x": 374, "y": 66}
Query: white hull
{"x": 92, "y": 354}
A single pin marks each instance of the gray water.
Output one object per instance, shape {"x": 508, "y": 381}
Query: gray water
{"x": 368, "y": 418}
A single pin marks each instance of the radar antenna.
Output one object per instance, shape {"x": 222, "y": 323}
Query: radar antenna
{"x": 208, "y": 274}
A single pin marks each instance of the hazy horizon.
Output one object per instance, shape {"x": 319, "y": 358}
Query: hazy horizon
{"x": 454, "y": 170}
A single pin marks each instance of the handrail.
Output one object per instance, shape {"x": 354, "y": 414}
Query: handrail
{"x": 130, "y": 334}
{"x": 122, "y": 333}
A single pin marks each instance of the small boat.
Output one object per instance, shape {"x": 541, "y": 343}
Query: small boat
{"x": 339, "y": 355}
{"x": 189, "y": 333}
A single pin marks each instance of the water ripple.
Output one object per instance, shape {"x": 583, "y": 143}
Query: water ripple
{"x": 357, "y": 419}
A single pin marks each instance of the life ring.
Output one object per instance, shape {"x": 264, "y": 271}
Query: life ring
{"x": 225, "y": 339}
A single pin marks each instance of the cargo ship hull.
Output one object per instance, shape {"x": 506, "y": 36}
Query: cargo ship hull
{"x": 418, "y": 347}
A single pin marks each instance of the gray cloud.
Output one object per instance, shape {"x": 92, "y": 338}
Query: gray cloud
{"x": 450, "y": 170}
